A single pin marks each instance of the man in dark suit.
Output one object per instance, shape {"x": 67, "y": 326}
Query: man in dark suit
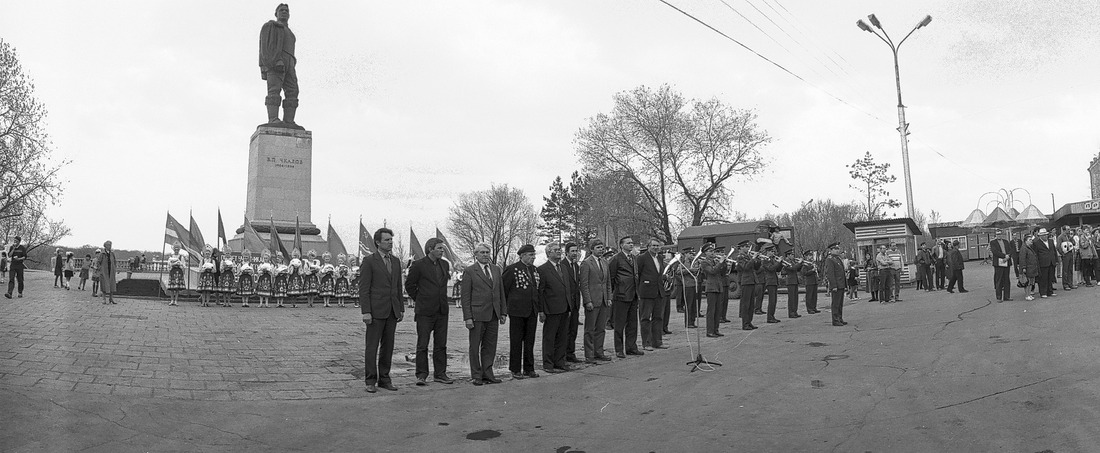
{"x": 955, "y": 265}
{"x": 483, "y": 308}
{"x": 521, "y": 290}
{"x": 651, "y": 291}
{"x": 1002, "y": 262}
{"x": 624, "y": 308}
{"x": 1048, "y": 258}
{"x": 597, "y": 301}
{"x": 836, "y": 275}
{"x": 555, "y": 298}
{"x": 426, "y": 284}
{"x": 791, "y": 268}
{"x": 572, "y": 255}
{"x": 380, "y": 302}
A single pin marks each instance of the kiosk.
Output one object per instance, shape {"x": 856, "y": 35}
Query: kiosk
{"x": 871, "y": 234}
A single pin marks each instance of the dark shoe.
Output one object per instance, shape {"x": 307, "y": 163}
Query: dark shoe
{"x": 692, "y": 326}
{"x": 444, "y": 379}
{"x": 420, "y": 381}
{"x": 591, "y": 361}
{"x": 759, "y": 312}
{"x": 623, "y": 356}
{"x": 712, "y": 335}
{"x": 667, "y": 332}
{"x": 635, "y": 352}
{"x": 897, "y": 300}
{"x": 531, "y": 374}
{"x": 722, "y": 321}
{"x": 553, "y": 370}
{"x": 794, "y": 315}
{"x": 660, "y": 347}
{"x": 1007, "y": 300}
{"x": 389, "y": 387}
{"x": 8, "y": 295}
{"x": 951, "y": 291}
{"x": 748, "y": 327}
{"x": 573, "y": 360}
{"x": 477, "y": 382}
{"x": 371, "y": 388}
{"x": 493, "y": 380}
{"x": 963, "y": 291}
{"x": 838, "y": 324}
{"x": 518, "y": 376}
{"x": 603, "y": 358}
{"x": 772, "y": 320}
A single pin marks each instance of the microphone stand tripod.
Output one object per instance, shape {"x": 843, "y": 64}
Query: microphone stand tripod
{"x": 699, "y": 360}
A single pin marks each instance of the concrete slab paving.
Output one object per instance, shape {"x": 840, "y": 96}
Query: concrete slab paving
{"x": 935, "y": 372}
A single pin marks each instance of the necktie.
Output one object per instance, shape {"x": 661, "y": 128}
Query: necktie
{"x": 386, "y": 258}
{"x": 488, "y": 274}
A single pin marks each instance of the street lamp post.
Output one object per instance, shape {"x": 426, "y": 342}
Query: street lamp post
{"x": 903, "y": 127}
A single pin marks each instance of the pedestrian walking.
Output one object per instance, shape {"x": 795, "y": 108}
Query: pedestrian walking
{"x": 58, "y": 264}
{"x": 17, "y": 254}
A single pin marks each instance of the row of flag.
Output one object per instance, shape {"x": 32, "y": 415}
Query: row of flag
{"x": 191, "y": 239}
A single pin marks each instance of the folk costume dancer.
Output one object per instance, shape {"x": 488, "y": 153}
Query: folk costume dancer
{"x": 227, "y": 283}
{"x": 282, "y": 281}
{"x": 176, "y": 280}
{"x": 207, "y": 284}
{"x": 296, "y": 281}
{"x": 342, "y": 286}
{"x": 327, "y": 286}
{"x": 246, "y": 279}
{"x": 265, "y": 281}
{"x": 311, "y": 279}
{"x": 353, "y": 286}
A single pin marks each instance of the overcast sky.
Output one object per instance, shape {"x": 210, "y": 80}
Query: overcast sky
{"x": 414, "y": 103}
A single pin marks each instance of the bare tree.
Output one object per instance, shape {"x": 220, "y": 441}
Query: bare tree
{"x": 874, "y": 178}
{"x": 29, "y": 179}
{"x": 501, "y": 216}
{"x": 819, "y": 223}
{"x": 672, "y": 151}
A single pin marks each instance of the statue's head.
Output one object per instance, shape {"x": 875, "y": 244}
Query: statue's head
{"x": 282, "y": 12}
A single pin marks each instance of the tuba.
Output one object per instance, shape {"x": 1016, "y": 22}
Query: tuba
{"x": 668, "y": 275}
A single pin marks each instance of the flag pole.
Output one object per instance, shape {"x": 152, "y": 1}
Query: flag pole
{"x": 160, "y": 274}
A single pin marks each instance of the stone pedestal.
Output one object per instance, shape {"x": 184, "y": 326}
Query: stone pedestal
{"x": 280, "y": 165}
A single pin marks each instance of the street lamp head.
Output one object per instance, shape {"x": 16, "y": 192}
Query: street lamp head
{"x": 874, "y": 21}
{"x": 863, "y": 26}
{"x": 924, "y": 22}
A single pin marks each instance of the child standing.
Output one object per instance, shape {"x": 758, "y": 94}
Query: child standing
{"x": 85, "y": 269}
{"x": 853, "y": 281}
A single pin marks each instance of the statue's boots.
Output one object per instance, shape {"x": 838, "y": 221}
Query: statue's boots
{"x": 288, "y": 114}
{"x": 273, "y": 113}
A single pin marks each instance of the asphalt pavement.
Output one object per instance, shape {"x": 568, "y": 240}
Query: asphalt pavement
{"x": 936, "y": 372}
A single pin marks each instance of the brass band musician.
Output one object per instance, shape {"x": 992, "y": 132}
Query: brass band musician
{"x": 809, "y": 277}
{"x": 713, "y": 267}
{"x": 746, "y": 263}
{"x": 791, "y": 266}
{"x": 771, "y": 265}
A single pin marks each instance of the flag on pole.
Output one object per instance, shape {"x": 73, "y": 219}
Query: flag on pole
{"x": 335, "y": 244}
{"x": 298, "y": 236}
{"x": 174, "y": 232}
{"x": 415, "y": 248}
{"x": 276, "y": 243}
{"x": 447, "y": 252}
{"x": 197, "y": 242}
{"x": 222, "y": 240}
{"x": 366, "y": 240}
{"x": 251, "y": 238}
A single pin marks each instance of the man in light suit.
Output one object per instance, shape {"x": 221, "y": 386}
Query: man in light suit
{"x": 555, "y": 298}
{"x": 597, "y": 302}
{"x": 426, "y": 284}
{"x": 380, "y": 302}
{"x": 651, "y": 291}
{"x": 624, "y": 309}
{"x": 1002, "y": 262}
{"x": 483, "y": 309}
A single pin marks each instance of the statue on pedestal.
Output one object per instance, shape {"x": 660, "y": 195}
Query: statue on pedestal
{"x": 277, "y": 68}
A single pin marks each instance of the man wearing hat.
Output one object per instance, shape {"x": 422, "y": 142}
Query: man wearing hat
{"x": 924, "y": 267}
{"x": 16, "y": 254}
{"x": 521, "y": 286}
{"x": 1048, "y": 258}
{"x": 713, "y": 267}
{"x": 746, "y": 272}
{"x": 790, "y": 269}
{"x": 834, "y": 273}
{"x": 771, "y": 265}
{"x": 809, "y": 275}
{"x": 596, "y": 300}
{"x": 623, "y": 272}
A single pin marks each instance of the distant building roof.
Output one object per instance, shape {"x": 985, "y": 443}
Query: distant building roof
{"x": 725, "y": 229}
{"x": 907, "y": 221}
